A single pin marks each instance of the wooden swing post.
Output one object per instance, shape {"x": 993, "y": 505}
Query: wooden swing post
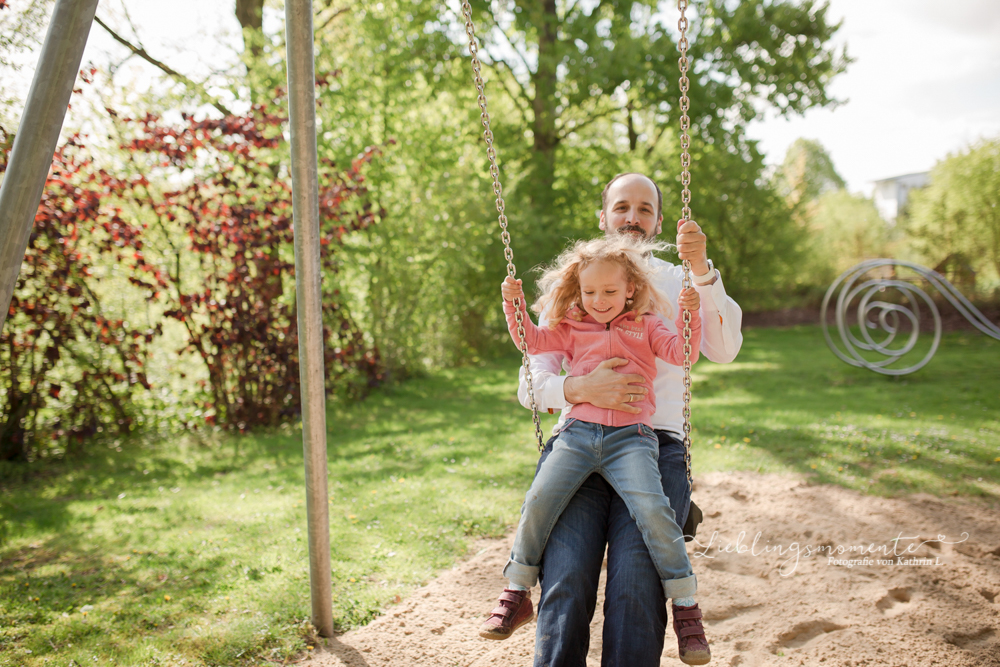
{"x": 308, "y": 293}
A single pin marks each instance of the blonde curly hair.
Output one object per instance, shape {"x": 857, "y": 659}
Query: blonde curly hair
{"x": 560, "y": 283}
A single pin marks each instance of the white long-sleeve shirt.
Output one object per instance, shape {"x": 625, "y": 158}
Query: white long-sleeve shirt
{"x": 721, "y": 340}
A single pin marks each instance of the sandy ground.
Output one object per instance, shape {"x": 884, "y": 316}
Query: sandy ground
{"x": 761, "y": 607}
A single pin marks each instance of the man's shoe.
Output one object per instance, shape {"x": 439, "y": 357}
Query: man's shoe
{"x": 513, "y": 610}
{"x": 691, "y": 642}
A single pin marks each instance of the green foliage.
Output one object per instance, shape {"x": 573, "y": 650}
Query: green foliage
{"x": 577, "y": 93}
{"x": 595, "y": 87}
{"x": 839, "y": 229}
{"x": 772, "y": 54}
{"x": 751, "y": 235}
{"x": 424, "y": 278}
{"x": 806, "y": 173}
{"x": 957, "y": 216}
{"x": 845, "y": 229}
{"x": 584, "y": 61}
{"x": 21, "y": 23}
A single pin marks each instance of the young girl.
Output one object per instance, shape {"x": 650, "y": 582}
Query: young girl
{"x": 600, "y": 303}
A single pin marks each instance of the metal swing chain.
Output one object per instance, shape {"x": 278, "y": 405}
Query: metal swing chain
{"x": 484, "y": 115}
{"x": 682, "y": 25}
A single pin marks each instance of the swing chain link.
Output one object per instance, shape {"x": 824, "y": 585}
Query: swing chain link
{"x": 484, "y": 116}
{"x": 682, "y": 43}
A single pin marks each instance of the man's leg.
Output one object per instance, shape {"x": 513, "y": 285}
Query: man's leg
{"x": 571, "y": 570}
{"x": 635, "y": 612}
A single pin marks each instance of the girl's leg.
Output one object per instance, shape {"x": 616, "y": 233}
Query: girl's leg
{"x": 629, "y": 464}
{"x": 573, "y": 458}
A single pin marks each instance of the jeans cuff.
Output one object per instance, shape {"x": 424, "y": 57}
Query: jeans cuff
{"x": 521, "y": 574}
{"x": 680, "y": 588}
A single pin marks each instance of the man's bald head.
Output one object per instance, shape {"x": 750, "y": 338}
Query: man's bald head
{"x": 632, "y": 203}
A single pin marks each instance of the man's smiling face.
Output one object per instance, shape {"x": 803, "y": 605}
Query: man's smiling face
{"x": 632, "y": 206}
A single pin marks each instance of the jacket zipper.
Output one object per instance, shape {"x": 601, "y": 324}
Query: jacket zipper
{"x": 607, "y": 327}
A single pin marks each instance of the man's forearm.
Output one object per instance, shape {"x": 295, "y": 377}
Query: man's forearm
{"x": 721, "y": 321}
{"x": 547, "y": 383}
{"x": 575, "y": 391}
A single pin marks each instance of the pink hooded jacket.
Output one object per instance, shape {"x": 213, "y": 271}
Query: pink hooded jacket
{"x": 586, "y": 343}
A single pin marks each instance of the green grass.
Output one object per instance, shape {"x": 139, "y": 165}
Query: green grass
{"x": 195, "y": 550}
{"x": 199, "y": 552}
{"x": 787, "y": 404}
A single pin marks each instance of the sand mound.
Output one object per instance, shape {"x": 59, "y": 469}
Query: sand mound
{"x": 792, "y": 598}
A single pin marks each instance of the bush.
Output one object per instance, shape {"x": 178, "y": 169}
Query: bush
{"x": 71, "y": 370}
{"x": 236, "y": 295}
{"x": 845, "y": 229}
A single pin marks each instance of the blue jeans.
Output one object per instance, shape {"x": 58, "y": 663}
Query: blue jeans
{"x": 635, "y": 613}
{"x": 625, "y": 456}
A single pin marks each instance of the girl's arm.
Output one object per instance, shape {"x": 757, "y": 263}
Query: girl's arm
{"x": 670, "y": 346}
{"x": 538, "y": 339}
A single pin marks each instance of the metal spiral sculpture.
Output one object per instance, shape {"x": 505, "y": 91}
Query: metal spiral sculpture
{"x": 873, "y": 312}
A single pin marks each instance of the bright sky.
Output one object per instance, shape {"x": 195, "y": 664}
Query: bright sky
{"x": 926, "y": 80}
{"x": 925, "y": 83}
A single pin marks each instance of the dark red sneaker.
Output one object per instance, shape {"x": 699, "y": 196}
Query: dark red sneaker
{"x": 691, "y": 642}
{"x": 513, "y": 610}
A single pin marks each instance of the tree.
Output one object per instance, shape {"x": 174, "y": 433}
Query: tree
{"x": 845, "y": 229}
{"x": 838, "y": 229}
{"x": 806, "y": 173}
{"x": 250, "y": 14}
{"x": 958, "y": 213}
{"x": 573, "y": 102}
{"x": 423, "y": 280}
{"x": 595, "y": 90}
{"x": 571, "y": 64}
{"x": 751, "y": 233}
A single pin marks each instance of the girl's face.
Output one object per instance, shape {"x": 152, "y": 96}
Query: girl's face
{"x": 603, "y": 290}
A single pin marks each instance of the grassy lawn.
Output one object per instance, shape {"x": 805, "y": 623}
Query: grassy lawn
{"x": 194, "y": 552}
{"x": 197, "y": 551}
{"x": 787, "y": 404}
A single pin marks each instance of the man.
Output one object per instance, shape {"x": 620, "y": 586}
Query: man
{"x": 635, "y": 614}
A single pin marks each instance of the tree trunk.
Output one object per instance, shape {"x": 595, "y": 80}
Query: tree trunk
{"x": 250, "y": 14}
{"x": 12, "y": 432}
{"x": 633, "y": 136}
{"x": 544, "y": 106}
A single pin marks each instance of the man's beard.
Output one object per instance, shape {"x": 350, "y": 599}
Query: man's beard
{"x": 633, "y": 229}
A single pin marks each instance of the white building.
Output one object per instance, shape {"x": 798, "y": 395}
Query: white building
{"x": 891, "y": 193}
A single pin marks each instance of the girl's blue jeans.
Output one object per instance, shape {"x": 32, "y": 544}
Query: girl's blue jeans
{"x": 635, "y": 613}
{"x": 626, "y": 457}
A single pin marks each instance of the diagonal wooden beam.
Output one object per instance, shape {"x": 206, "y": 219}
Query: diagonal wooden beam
{"x": 38, "y": 134}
